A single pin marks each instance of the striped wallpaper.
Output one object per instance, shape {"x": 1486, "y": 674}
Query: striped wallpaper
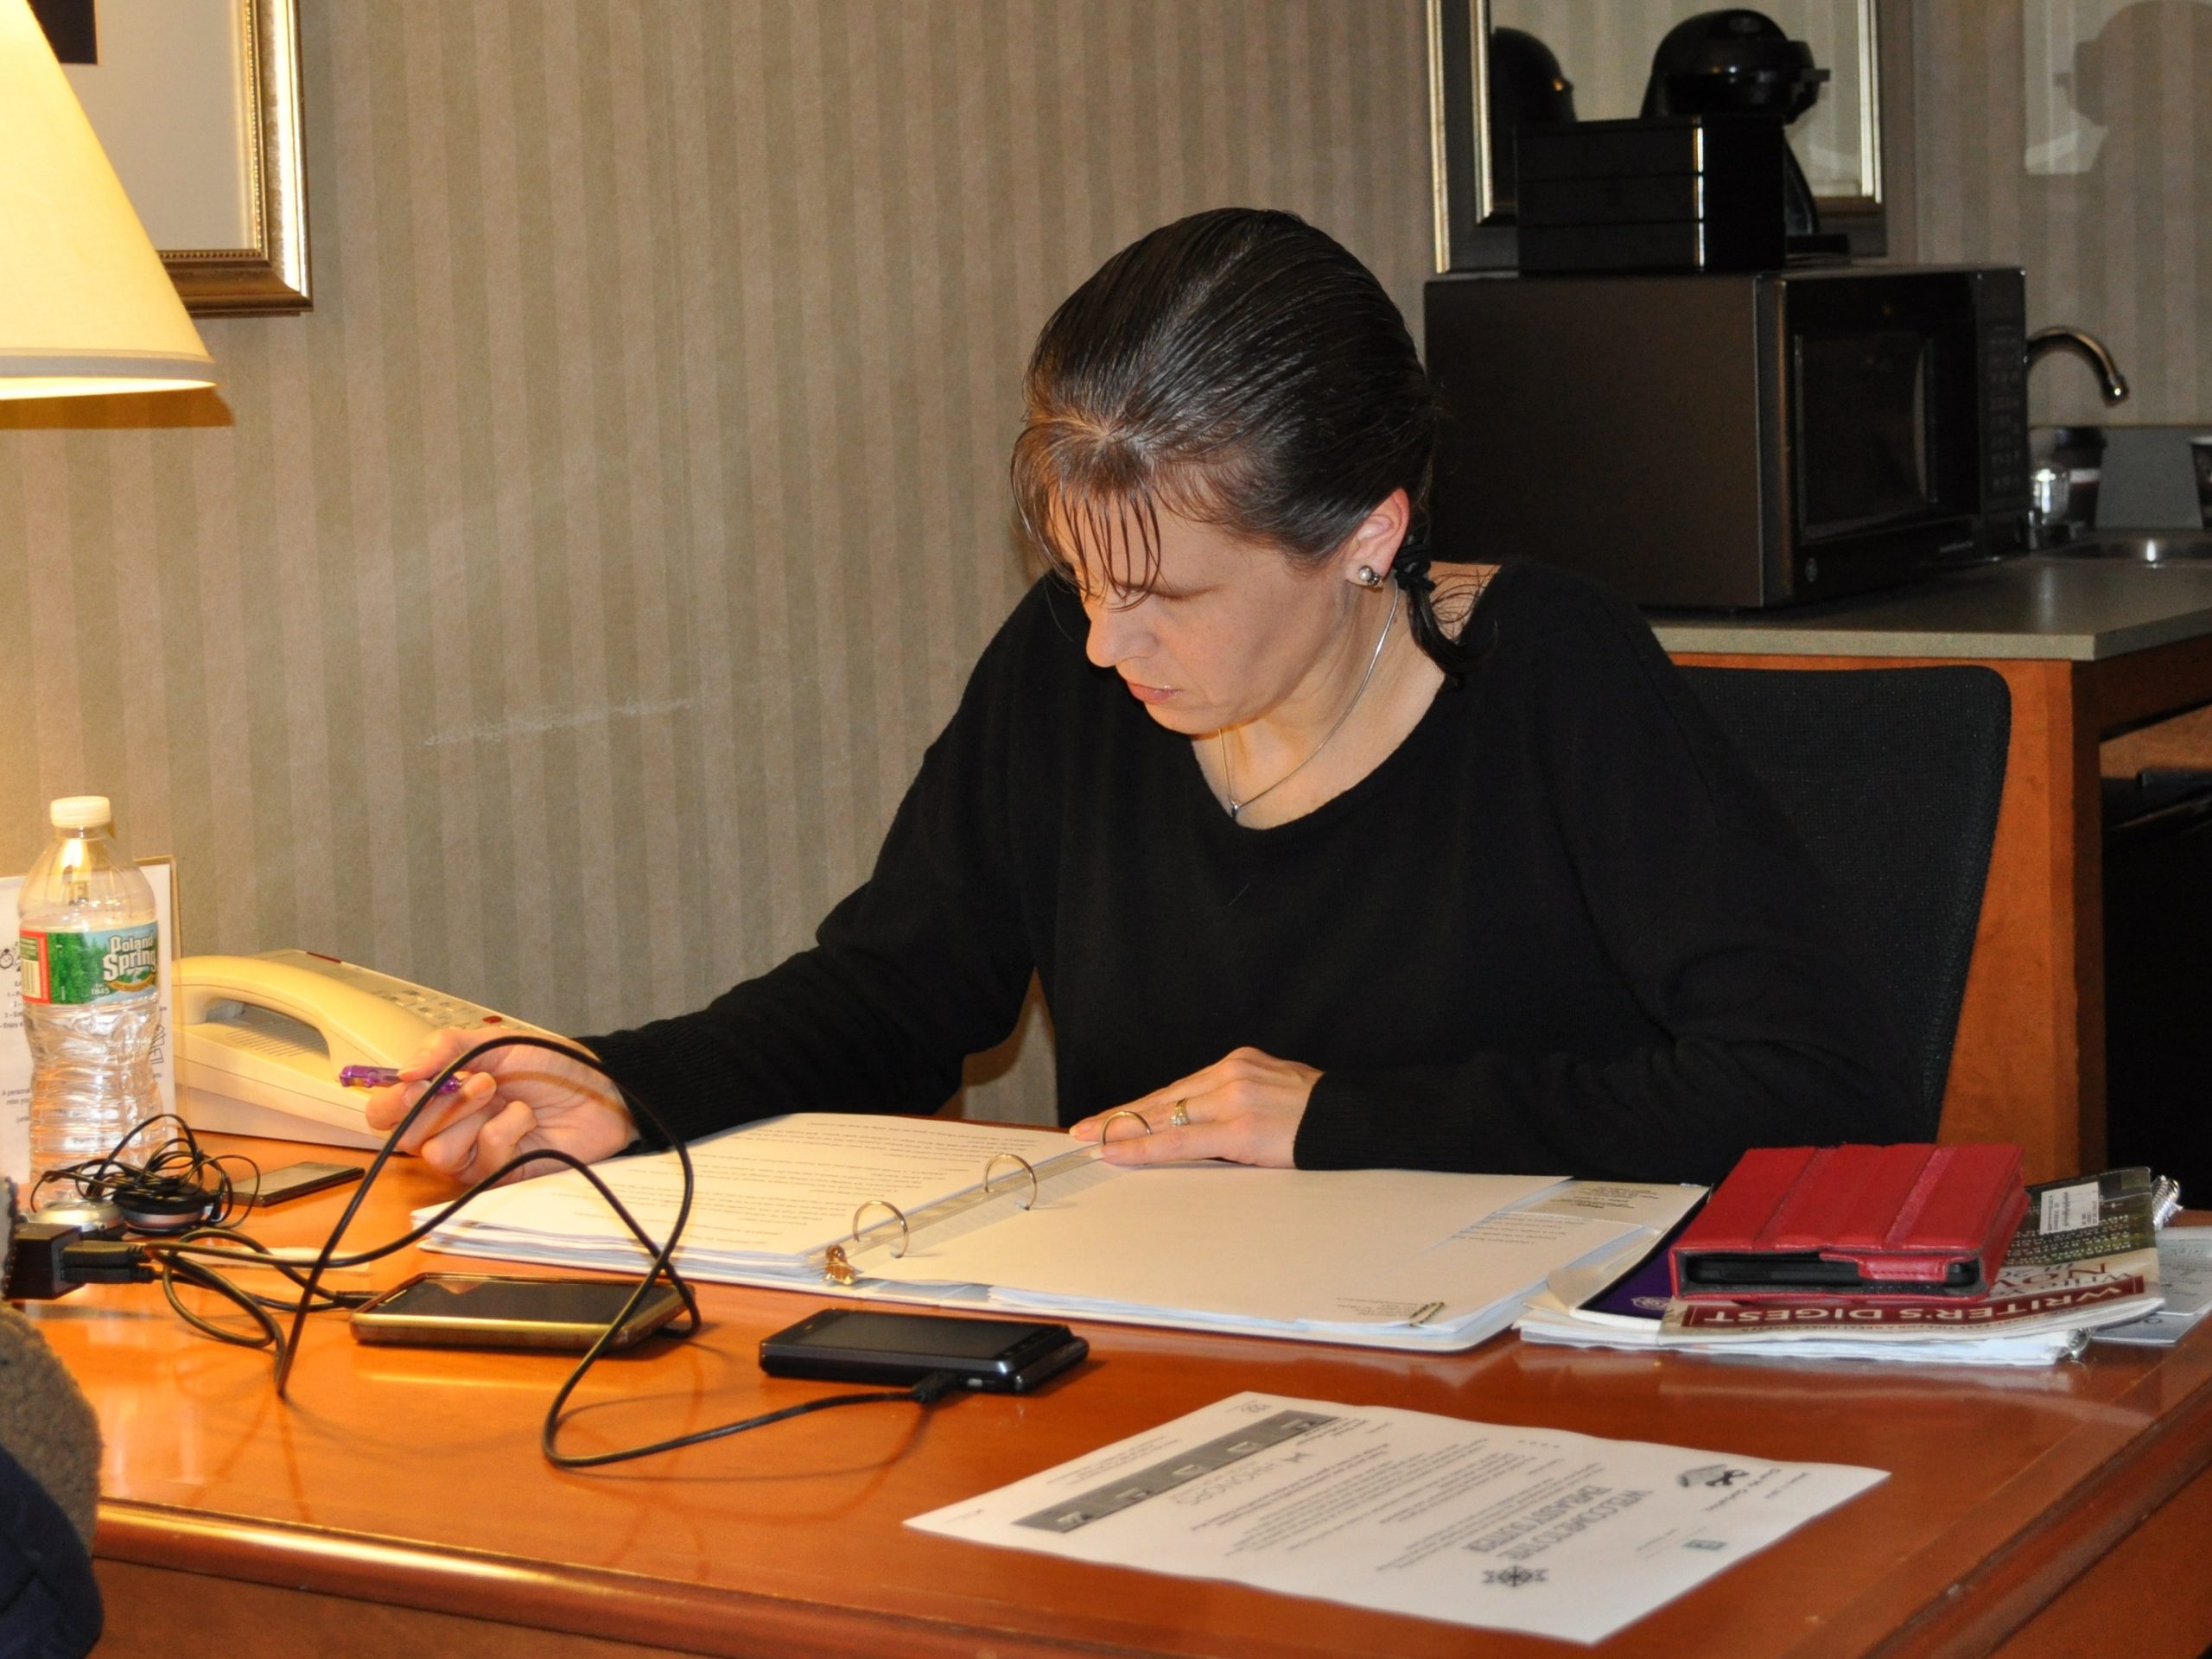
{"x": 2075, "y": 137}
{"x": 556, "y": 615}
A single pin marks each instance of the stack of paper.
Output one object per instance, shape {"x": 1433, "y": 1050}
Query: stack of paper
{"x": 2185, "y": 1287}
{"x": 772, "y": 1197}
{"x": 2021, "y": 1328}
{"x": 2081, "y": 1263}
{"x": 1389, "y": 1258}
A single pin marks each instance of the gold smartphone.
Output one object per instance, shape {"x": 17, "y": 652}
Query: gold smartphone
{"x": 481, "y": 1310}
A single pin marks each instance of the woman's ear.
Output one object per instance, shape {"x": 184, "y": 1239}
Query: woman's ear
{"x": 1374, "y": 543}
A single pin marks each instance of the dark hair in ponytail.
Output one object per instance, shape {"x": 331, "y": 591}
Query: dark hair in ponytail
{"x": 1240, "y": 368}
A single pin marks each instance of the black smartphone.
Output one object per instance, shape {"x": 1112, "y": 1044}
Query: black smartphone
{"x": 482, "y": 1310}
{"x": 847, "y": 1344}
{"x": 292, "y": 1181}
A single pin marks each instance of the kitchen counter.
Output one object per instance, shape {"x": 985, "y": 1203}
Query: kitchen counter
{"x": 2038, "y": 606}
{"x": 2088, "y": 649}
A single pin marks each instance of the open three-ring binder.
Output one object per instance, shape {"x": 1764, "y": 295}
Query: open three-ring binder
{"x": 984, "y": 1216}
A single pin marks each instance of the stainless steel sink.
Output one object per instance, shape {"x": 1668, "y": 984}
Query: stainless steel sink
{"x": 2140, "y": 546}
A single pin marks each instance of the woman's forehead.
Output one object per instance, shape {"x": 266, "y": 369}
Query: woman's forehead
{"x": 1128, "y": 544}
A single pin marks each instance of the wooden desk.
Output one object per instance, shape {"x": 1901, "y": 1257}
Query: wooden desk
{"x": 398, "y": 1503}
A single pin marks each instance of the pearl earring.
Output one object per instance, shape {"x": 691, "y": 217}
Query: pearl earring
{"x": 1368, "y": 576}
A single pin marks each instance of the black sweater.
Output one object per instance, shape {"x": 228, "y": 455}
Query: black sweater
{"x": 1560, "y": 929}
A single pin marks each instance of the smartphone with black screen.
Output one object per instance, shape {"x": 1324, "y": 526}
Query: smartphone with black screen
{"x": 867, "y": 1345}
{"x": 482, "y": 1310}
{"x": 295, "y": 1181}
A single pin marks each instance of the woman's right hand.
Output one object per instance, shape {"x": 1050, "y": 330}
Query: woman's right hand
{"x": 513, "y": 1100}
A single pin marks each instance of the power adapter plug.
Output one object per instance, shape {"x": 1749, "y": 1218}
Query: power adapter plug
{"x": 37, "y": 1271}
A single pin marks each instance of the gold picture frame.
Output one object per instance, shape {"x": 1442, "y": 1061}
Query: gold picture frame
{"x": 252, "y": 257}
{"x": 1473, "y": 213}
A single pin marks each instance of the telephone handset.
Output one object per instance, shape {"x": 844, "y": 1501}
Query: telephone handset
{"x": 260, "y": 1040}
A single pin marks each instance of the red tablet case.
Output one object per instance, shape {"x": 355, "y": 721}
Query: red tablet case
{"x": 1875, "y": 1221}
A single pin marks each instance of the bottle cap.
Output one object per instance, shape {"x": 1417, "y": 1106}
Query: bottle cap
{"x": 80, "y": 812}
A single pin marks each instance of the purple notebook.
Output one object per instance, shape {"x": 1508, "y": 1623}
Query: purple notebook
{"x": 1643, "y": 1291}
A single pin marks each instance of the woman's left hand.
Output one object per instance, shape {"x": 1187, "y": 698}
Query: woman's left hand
{"x": 1245, "y": 1108}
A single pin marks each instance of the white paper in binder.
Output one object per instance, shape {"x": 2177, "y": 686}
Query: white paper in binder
{"x": 1406, "y": 1259}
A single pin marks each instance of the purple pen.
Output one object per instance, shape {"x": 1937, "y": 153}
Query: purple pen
{"x": 383, "y": 1077}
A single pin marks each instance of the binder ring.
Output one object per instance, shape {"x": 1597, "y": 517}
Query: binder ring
{"x": 1028, "y": 1169}
{"x": 906, "y": 1233}
{"x": 1106, "y": 1128}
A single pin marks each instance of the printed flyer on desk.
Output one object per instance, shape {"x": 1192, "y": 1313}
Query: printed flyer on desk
{"x": 1537, "y": 1530}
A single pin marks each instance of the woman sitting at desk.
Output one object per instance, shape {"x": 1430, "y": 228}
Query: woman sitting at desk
{"x": 1325, "y": 854}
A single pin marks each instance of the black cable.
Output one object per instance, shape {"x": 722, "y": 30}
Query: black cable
{"x": 171, "y": 1270}
{"x": 314, "y": 1300}
{"x": 927, "y": 1392}
{"x": 169, "y": 1255}
{"x": 178, "y": 1171}
{"x": 177, "y": 1179}
{"x": 189, "y": 1256}
{"x": 254, "y": 1253}
{"x": 663, "y": 1254}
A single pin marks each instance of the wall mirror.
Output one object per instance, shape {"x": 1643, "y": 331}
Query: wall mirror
{"x": 1603, "y": 49}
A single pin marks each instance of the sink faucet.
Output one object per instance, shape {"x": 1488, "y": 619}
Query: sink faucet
{"x": 2046, "y": 341}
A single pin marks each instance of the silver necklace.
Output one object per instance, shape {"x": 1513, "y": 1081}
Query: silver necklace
{"x": 1229, "y": 784}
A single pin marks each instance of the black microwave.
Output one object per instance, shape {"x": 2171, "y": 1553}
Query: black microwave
{"x": 1732, "y": 440}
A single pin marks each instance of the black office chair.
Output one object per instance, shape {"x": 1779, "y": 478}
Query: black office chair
{"x": 1892, "y": 776}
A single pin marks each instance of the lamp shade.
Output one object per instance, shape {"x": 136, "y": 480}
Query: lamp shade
{"x": 85, "y": 305}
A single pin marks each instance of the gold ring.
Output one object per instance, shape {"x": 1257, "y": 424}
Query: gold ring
{"x": 1180, "y": 1118}
{"x": 1107, "y": 1128}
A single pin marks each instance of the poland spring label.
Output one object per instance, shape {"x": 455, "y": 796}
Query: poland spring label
{"x": 77, "y": 968}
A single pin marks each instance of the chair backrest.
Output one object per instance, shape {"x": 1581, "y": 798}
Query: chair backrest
{"x": 1892, "y": 776}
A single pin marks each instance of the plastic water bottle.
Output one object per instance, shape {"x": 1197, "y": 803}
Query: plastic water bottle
{"x": 91, "y": 998}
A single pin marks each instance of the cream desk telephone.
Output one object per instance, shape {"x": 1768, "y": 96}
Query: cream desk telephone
{"x": 261, "y": 1038}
